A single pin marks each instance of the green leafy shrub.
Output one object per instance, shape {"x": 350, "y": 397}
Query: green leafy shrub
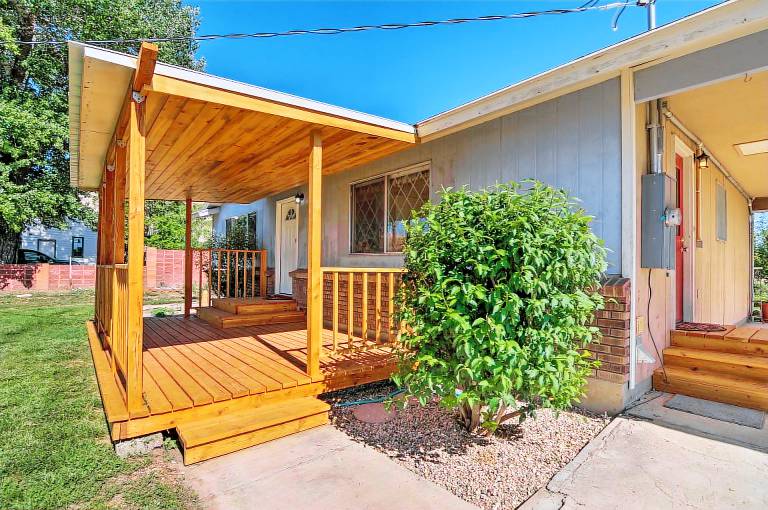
{"x": 499, "y": 296}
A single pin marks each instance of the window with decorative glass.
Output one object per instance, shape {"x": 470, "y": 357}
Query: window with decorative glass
{"x": 380, "y": 207}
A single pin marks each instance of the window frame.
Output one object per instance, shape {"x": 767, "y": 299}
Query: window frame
{"x": 82, "y": 247}
{"x": 721, "y": 235}
{"x": 410, "y": 169}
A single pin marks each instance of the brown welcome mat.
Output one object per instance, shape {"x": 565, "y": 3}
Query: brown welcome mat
{"x": 699, "y": 326}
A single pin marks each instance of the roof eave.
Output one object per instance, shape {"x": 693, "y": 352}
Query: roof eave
{"x": 706, "y": 28}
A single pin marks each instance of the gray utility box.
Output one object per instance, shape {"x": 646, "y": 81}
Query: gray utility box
{"x": 657, "y": 248}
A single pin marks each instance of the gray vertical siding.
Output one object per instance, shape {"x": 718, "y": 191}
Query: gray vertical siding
{"x": 572, "y": 142}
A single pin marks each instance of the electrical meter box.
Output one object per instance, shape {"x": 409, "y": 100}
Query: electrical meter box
{"x": 658, "y": 217}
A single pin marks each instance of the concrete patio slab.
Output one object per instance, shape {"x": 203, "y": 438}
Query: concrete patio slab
{"x": 655, "y": 410}
{"x": 636, "y": 464}
{"x": 318, "y": 469}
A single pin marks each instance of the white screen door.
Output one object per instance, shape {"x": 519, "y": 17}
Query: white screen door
{"x": 287, "y": 256}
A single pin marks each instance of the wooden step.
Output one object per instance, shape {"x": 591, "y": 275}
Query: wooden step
{"x": 254, "y": 305}
{"x": 217, "y": 436}
{"x": 711, "y": 385}
{"x": 722, "y": 344}
{"x": 741, "y": 365}
{"x": 221, "y": 319}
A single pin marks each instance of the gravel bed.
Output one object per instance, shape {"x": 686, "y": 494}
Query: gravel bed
{"x": 493, "y": 473}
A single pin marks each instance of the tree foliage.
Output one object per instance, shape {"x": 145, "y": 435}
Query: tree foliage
{"x": 34, "y": 158}
{"x": 500, "y": 292}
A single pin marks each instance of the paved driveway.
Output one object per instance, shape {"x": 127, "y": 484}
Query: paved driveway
{"x": 665, "y": 460}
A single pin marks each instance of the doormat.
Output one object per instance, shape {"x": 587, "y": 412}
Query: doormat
{"x": 718, "y": 411}
{"x": 699, "y": 326}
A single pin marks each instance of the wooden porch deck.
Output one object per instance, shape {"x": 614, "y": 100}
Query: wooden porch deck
{"x": 194, "y": 371}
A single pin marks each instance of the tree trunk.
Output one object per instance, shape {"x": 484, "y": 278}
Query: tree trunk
{"x": 26, "y": 33}
{"x": 9, "y": 243}
{"x": 472, "y": 418}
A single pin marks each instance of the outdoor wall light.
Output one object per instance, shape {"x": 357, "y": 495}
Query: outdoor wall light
{"x": 299, "y": 198}
{"x": 703, "y": 160}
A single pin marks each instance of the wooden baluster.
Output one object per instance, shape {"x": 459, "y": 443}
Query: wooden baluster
{"x": 237, "y": 274}
{"x": 335, "y": 318}
{"x": 263, "y": 274}
{"x": 229, "y": 260}
{"x": 364, "y": 327}
{"x": 210, "y": 276}
{"x": 350, "y": 308}
{"x": 218, "y": 273}
{"x": 200, "y": 278}
{"x": 253, "y": 274}
{"x": 390, "y": 306}
{"x": 377, "y": 312}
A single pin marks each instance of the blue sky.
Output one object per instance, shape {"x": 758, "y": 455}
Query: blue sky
{"x": 411, "y": 74}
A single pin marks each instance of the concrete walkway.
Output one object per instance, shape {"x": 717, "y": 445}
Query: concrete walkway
{"x": 318, "y": 469}
{"x": 660, "y": 458}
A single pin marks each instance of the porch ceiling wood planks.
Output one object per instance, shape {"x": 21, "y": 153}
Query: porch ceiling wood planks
{"x": 221, "y": 153}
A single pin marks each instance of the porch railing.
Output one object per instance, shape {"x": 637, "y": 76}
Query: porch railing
{"x": 112, "y": 315}
{"x": 229, "y": 273}
{"x": 359, "y": 306}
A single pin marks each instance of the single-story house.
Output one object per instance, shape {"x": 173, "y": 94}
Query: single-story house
{"x": 663, "y": 137}
{"x": 76, "y": 242}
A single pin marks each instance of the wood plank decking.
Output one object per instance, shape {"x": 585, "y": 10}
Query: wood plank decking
{"x": 194, "y": 371}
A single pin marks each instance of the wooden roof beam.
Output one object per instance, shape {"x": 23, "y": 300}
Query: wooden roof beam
{"x": 145, "y": 66}
{"x": 142, "y": 79}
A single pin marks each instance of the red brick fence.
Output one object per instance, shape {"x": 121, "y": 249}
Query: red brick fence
{"x": 163, "y": 269}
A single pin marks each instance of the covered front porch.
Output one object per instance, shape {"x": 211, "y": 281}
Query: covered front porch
{"x": 222, "y": 382}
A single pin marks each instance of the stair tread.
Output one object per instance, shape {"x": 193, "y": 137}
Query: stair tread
{"x": 718, "y": 356}
{"x": 711, "y": 377}
{"x": 248, "y": 420}
{"x": 224, "y": 319}
{"x": 253, "y": 305}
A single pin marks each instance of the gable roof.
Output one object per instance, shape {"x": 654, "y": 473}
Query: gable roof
{"x": 726, "y": 21}
{"x": 723, "y": 22}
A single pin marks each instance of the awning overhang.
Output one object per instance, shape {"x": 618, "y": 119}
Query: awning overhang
{"x": 214, "y": 139}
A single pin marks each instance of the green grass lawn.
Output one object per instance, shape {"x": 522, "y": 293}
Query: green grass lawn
{"x": 54, "y": 445}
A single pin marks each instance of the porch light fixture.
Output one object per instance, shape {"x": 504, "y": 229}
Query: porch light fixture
{"x": 702, "y": 160}
{"x": 752, "y": 148}
{"x": 299, "y": 198}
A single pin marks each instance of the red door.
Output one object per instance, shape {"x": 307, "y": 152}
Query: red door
{"x": 679, "y": 244}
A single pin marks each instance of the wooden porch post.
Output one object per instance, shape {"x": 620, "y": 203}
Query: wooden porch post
{"x": 314, "y": 243}
{"x": 107, "y": 246}
{"x": 188, "y": 260}
{"x": 136, "y": 175}
{"x": 136, "y": 155}
{"x": 118, "y": 235}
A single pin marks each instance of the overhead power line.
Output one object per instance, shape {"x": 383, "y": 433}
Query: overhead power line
{"x": 589, "y": 6}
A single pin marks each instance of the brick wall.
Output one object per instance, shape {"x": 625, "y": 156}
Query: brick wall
{"x": 300, "y": 295}
{"x": 613, "y": 348}
{"x": 164, "y": 269}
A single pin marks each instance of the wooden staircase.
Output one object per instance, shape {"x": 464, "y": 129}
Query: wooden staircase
{"x": 234, "y": 431}
{"x": 729, "y": 367}
{"x": 236, "y": 312}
